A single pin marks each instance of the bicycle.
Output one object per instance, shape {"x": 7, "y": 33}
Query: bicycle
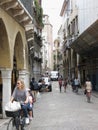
{"x": 17, "y": 121}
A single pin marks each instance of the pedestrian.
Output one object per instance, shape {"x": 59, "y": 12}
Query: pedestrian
{"x": 76, "y": 83}
{"x": 73, "y": 84}
{"x": 20, "y": 94}
{"x": 88, "y": 89}
{"x": 65, "y": 84}
{"x": 60, "y": 83}
{"x": 34, "y": 87}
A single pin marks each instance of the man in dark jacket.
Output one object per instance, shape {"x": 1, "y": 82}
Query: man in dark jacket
{"x": 34, "y": 87}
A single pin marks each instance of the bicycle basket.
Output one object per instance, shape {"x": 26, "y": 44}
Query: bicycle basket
{"x": 12, "y": 113}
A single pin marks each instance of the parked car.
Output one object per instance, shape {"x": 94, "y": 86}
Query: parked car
{"x": 54, "y": 75}
{"x": 45, "y": 84}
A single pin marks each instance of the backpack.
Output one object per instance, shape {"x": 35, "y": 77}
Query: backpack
{"x": 31, "y": 85}
{"x": 34, "y": 85}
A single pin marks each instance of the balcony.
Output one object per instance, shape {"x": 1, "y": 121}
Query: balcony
{"x": 30, "y": 33}
{"x": 16, "y": 10}
{"x": 38, "y": 56}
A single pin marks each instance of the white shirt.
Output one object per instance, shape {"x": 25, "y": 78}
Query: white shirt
{"x": 76, "y": 81}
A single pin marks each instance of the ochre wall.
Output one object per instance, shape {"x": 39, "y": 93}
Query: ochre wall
{"x": 8, "y": 38}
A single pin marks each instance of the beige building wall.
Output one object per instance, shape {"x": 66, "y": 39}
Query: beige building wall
{"x": 48, "y": 43}
{"x": 12, "y": 45}
{"x": 12, "y": 31}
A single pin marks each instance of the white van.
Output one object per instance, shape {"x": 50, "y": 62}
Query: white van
{"x": 54, "y": 75}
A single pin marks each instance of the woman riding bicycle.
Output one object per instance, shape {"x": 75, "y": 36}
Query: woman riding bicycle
{"x": 20, "y": 94}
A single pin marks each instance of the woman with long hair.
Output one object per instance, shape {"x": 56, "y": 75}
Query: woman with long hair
{"x": 20, "y": 94}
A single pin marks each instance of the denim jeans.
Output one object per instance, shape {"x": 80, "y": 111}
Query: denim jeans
{"x": 24, "y": 108}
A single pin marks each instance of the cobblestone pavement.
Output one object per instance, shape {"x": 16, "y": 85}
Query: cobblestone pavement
{"x": 64, "y": 111}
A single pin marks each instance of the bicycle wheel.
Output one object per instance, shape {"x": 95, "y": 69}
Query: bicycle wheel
{"x": 11, "y": 125}
{"x": 22, "y": 123}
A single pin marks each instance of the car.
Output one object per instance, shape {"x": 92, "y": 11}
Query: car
{"x": 45, "y": 84}
{"x": 54, "y": 75}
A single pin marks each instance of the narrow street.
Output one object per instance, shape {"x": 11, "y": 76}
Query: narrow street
{"x": 64, "y": 111}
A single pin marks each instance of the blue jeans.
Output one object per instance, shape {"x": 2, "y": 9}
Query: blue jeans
{"x": 24, "y": 108}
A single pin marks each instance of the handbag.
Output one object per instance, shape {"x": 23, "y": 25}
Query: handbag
{"x": 85, "y": 91}
{"x": 12, "y": 106}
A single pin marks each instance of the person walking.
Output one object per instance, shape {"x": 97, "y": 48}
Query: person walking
{"x": 88, "y": 89}
{"x": 65, "y": 84}
{"x": 34, "y": 87}
{"x": 60, "y": 83}
{"x": 76, "y": 83}
{"x": 73, "y": 84}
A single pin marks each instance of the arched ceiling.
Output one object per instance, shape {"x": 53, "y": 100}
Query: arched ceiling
{"x": 19, "y": 51}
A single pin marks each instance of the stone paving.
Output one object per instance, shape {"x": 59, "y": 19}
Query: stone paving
{"x": 64, "y": 111}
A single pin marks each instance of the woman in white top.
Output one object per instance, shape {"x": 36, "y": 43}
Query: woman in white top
{"x": 88, "y": 88}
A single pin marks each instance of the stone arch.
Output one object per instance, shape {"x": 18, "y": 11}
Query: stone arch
{"x": 18, "y": 58}
{"x": 19, "y": 51}
{"x": 26, "y": 52}
{"x": 5, "y": 56}
{"x": 5, "y": 61}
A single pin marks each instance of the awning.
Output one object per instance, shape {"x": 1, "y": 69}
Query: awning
{"x": 87, "y": 41}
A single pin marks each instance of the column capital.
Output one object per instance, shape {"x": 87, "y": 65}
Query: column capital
{"x": 23, "y": 71}
{"x": 5, "y": 69}
{"x": 6, "y": 72}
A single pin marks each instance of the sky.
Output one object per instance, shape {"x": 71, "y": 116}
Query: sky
{"x": 53, "y": 8}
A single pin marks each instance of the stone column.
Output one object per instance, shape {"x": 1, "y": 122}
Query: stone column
{"x": 78, "y": 72}
{"x": 24, "y": 75}
{"x": 27, "y": 79}
{"x": 6, "y": 88}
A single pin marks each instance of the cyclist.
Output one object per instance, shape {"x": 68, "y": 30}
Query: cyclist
{"x": 20, "y": 94}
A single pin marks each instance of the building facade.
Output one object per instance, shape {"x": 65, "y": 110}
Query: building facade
{"x": 47, "y": 49}
{"x": 18, "y": 45}
{"x": 13, "y": 48}
{"x": 57, "y": 57}
{"x": 81, "y": 39}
